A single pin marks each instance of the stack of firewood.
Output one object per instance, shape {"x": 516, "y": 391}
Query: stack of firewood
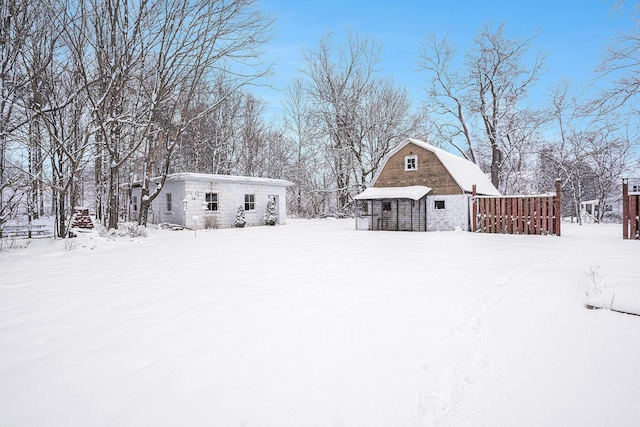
{"x": 81, "y": 219}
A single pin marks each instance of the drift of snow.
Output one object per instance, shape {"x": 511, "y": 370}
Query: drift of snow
{"x": 316, "y": 324}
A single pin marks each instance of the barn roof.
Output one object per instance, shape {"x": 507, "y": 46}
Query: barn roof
{"x": 414, "y": 192}
{"x": 465, "y": 173}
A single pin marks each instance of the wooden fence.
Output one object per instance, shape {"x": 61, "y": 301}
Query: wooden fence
{"x": 538, "y": 214}
{"x": 630, "y": 212}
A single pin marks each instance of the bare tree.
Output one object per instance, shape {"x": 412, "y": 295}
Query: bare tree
{"x": 15, "y": 31}
{"x": 362, "y": 116}
{"x": 210, "y": 144}
{"x": 339, "y": 80}
{"x": 143, "y": 63}
{"x": 195, "y": 40}
{"x": 609, "y": 150}
{"x": 486, "y": 99}
{"x": 591, "y": 152}
{"x": 308, "y": 169}
{"x": 448, "y": 92}
{"x": 621, "y": 69}
{"x": 58, "y": 126}
{"x": 386, "y": 121}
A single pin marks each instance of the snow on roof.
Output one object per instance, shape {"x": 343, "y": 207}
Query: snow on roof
{"x": 188, "y": 176}
{"x": 465, "y": 173}
{"x": 414, "y": 192}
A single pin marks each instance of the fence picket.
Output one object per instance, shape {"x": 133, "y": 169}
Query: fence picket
{"x": 633, "y": 215}
{"x": 537, "y": 225}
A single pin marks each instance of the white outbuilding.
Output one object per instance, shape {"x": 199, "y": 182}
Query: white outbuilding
{"x": 200, "y": 201}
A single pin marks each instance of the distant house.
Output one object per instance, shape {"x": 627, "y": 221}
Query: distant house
{"x": 211, "y": 201}
{"x": 590, "y": 210}
{"x": 420, "y": 187}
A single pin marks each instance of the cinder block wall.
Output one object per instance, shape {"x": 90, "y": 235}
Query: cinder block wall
{"x": 230, "y": 196}
{"x": 455, "y": 215}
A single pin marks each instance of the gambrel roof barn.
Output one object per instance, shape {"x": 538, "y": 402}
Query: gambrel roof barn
{"x": 420, "y": 187}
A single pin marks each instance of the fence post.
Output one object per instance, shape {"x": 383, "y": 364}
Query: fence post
{"x": 557, "y": 206}
{"x": 474, "y": 208}
{"x": 625, "y": 208}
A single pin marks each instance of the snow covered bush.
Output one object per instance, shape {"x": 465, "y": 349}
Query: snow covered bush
{"x": 126, "y": 229}
{"x": 271, "y": 216}
{"x": 134, "y": 230}
{"x": 240, "y": 221}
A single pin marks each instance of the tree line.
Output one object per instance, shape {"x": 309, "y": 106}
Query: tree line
{"x": 97, "y": 95}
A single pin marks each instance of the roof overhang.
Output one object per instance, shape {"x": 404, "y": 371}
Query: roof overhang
{"x": 413, "y": 192}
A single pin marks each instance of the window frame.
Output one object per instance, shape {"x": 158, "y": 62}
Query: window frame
{"x": 212, "y": 205}
{"x": 411, "y": 163}
{"x": 169, "y": 204}
{"x": 439, "y": 205}
{"x": 249, "y": 202}
{"x": 134, "y": 202}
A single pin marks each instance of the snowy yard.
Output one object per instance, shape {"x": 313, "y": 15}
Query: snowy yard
{"x": 317, "y": 324}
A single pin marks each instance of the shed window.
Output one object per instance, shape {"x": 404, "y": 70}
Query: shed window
{"x": 169, "y": 202}
{"x": 135, "y": 203}
{"x": 211, "y": 200}
{"x": 438, "y": 204}
{"x": 386, "y": 206}
{"x": 411, "y": 163}
{"x": 249, "y": 202}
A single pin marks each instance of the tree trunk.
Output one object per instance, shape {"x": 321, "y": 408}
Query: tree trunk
{"x": 62, "y": 215}
{"x": 496, "y": 160}
{"x": 113, "y": 198}
{"x": 145, "y": 203}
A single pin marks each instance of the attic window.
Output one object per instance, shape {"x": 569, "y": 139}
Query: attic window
{"x": 438, "y": 204}
{"x": 411, "y": 163}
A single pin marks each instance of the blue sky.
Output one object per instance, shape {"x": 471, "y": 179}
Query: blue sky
{"x": 574, "y": 34}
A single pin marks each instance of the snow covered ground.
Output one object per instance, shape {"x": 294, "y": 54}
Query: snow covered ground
{"x": 317, "y": 324}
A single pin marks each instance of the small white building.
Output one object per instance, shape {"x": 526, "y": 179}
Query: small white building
{"x": 200, "y": 201}
{"x": 590, "y": 210}
{"x": 420, "y": 187}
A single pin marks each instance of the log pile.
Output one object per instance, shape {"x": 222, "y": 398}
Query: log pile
{"x": 81, "y": 219}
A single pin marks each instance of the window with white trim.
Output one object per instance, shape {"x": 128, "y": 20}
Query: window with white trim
{"x": 438, "y": 205}
{"x": 169, "y": 202}
{"x": 135, "y": 203}
{"x": 411, "y": 163}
